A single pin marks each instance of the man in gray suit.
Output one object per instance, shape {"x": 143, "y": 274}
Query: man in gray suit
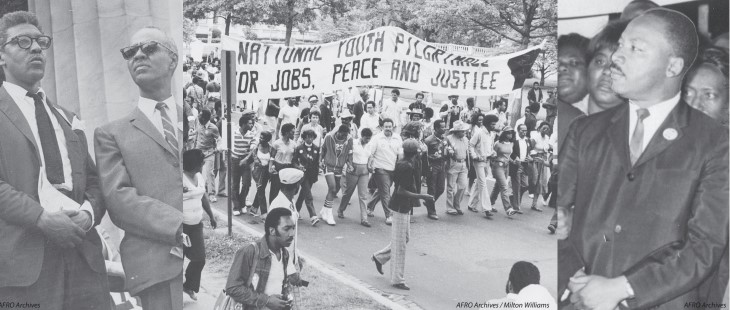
{"x": 49, "y": 258}
{"x": 141, "y": 176}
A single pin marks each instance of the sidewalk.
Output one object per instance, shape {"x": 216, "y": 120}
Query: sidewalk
{"x": 211, "y": 284}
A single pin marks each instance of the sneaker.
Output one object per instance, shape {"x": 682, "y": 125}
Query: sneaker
{"x": 472, "y": 209}
{"x": 365, "y": 223}
{"x": 191, "y": 294}
{"x": 340, "y": 214}
{"x": 371, "y": 213}
{"x": 402, "y": 286}
{"x": 494, "y": 210}
{"x": 314, "y": 220}
{"x": 510, "y": 212}
{"x": 237, "y": 212}
{"x": 388, "y": 221}
{"x": 531, "y": 196}
{"x": 459, "y": 212}
{"x": 488, "y": 214}
{"x": 433, "y": 217}
{"x": 451, "y": 212}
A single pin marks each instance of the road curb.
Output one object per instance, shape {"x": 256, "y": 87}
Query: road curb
{"x": 392, "y": 301}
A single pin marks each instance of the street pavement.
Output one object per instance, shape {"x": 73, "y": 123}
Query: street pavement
{"x": 454, "y": 259}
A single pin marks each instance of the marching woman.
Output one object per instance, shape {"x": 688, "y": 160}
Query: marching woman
{"x": 260, "y": 173}
{"x": 282, "y": 152}
{"x": 358, "y": 176}
{"x": 336, "y": 152}
{"x": 194, "y": 203}
{"x": 306, "y": 158}
{"x": 500, "y": 169}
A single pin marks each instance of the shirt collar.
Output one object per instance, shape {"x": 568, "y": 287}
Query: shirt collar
{"x": 658, "y": 111}
{"x": 148, "y": 106}
{"x": 16, "y": 91}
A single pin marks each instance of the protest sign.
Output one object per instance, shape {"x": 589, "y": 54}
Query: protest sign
{"x": 387, "y": 56}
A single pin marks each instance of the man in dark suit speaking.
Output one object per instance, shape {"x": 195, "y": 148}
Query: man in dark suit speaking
{"x": 50, "y": 254}
{"x": 141, "y": 176}
{"x": 643, "y": 187}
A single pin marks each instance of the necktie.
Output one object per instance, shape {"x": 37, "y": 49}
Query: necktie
{"x": 168, "y": 127}
{"x": 51, "y": 152}
{"x": 636, "y": 144}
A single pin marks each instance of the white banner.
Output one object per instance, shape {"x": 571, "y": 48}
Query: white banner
{"x": 387, "y": 56}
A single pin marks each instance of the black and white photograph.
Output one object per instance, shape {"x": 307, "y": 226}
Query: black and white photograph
{"x": 643, "y": 154}
{"x": 91, "y": 210}
{"x": 418, "y": 135}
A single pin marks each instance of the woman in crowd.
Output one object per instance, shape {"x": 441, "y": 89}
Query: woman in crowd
{"x": 336, "y": 152}
{"x": 706, "y": 87}
{"x": 306, "y": 158}
{"x": 282, "y": 151}
{"x": 313, "y": 124}
{"x": 358, "y": 176}
{"x": 500, "y": 169}
{"x": 540, "y": 154}
{"x": 194, "y": 203}
{"x": 260, "y": 172}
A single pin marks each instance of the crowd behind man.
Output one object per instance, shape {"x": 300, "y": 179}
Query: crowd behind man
{"x": 648, "y": 72}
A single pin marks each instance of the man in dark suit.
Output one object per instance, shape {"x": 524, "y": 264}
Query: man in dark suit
{"x": 141, "y": 175}
{"x": 535, "y": 94}
{"x": 48, "y": 255}
{"x": 644, "y": 186}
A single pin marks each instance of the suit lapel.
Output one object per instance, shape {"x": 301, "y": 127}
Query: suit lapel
{"x": 618, "y": 134}
{"x": 677, "y": 119}
{"x": 11, "y": 110}
{"x": 141, "y": 122}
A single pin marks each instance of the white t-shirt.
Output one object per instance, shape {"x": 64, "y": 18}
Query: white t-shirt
{"x": 276, "y": 275}
{"x": 289, "y": 114}
{"x": 192, "y": 199}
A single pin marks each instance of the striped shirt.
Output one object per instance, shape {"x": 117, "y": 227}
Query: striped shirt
{"x": 243, "y": 144}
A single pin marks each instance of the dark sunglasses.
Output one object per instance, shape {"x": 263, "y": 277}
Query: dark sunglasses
{"x": 25, "y": 42}
{"x": 148, "y": 48}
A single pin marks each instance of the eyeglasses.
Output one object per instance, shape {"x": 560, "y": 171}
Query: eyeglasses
{"x": 25, "y": 42}
{"x": 148, "y": 48}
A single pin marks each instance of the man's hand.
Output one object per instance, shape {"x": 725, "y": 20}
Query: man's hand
{"x": 213, "y": 222}
{"x": 427, "y": 197}
{"x": 350, "y": 168}
{"x": 60, "y": 229}
{"x": 82, "y": 218}
{"x": 598, "y": 293}
{"x": 277, "y": 302}
{"x": 565, "y": 219}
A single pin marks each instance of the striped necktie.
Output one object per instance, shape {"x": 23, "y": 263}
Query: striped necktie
{"x": 49, "y": 143}
{"x": 636, "y": 145}
{"x": 168, "y": 127}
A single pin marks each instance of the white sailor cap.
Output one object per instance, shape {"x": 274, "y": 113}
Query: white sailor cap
{"x": 290, "y": 175}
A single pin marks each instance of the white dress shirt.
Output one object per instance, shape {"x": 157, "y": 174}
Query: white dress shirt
{"x": 657, "y": 114}
{"x": 148, "y": 108}
{"x": 27, "y": 108}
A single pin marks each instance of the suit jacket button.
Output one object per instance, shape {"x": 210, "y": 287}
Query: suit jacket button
{"x": 631, "y": 176}
{"x": 617, "y": 229}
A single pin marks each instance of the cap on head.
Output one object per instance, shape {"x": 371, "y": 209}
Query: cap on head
{"x": 290, "y": 175}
